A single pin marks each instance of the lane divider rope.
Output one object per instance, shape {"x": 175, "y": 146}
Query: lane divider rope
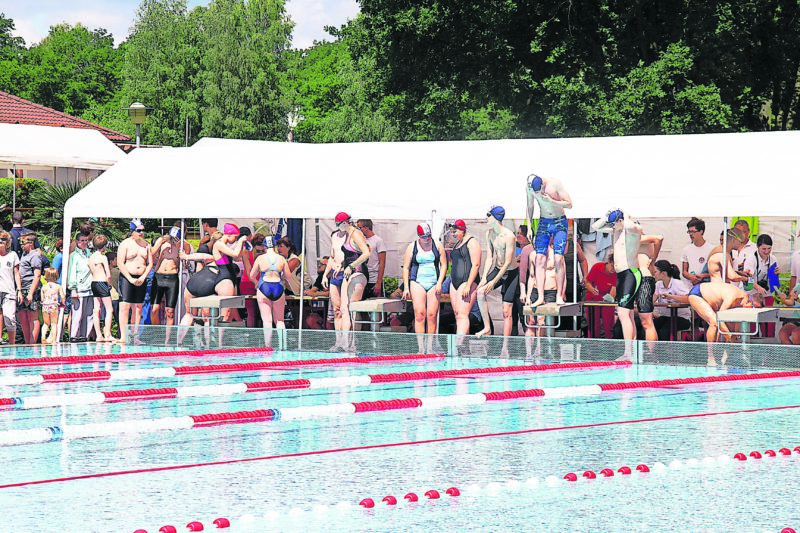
{"x": 168, "y": 372}
{"x": 105, "y": 358}
{"x": 231, "y": 389}
{"x": 104, "y": 429}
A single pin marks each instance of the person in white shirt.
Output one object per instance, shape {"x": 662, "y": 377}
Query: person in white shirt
{"x": 670, "y": 288}
{"x": 10, "y": 288}
{"x": 695, "y": 255}
{"x": 377, "y": 259}
{"x": 748, "y": 249}
{"x": 757, "y": 265}
{"x": 795, "y": 268}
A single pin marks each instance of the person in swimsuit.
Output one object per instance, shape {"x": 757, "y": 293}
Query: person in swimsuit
{"x": 500, "y": 269}
{"x": 707, "y": 299}
{"x": 552, "y": 198}
{"x": 530, "y": 291}
{"x": 30, "y": 273}
{"x": 269, "y": 273}
{"x": 166, "y": 282}
{"x": 466, "y": 263}
{"x": 649, "y": 248}
{"x": 53, "y": 298}
{"x": 627, "y": 234}
{"x": 101, "y": 288}
{"x": 424, "y": 270}
{"x": 733, "y": 243}
{"x": 348, "y": 274}
{"x": 225, "y": 251}
{"x": 135, "y": 263}
{"x": 246, "y": 286}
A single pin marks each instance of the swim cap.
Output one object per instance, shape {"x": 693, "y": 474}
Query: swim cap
{"x": 269, "y": 241}
{"x": 497, "y": 212}
{"x": 459, "y": 224}
{"x": 424, "y": 230}
{"x": 342, "y": 217}
{"x": 615, "y": 215}
{"x": 230, "y": 229}
{"x": 535, "y": 182}
{"x": 136, "y": 223}
{"x": 175, "y": 232}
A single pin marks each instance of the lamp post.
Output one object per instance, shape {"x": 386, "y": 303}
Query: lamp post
{"x": 137, "y": 113}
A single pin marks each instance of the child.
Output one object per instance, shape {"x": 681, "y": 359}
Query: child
{"x": 101, "y": 287}
{"x": 52, "y": 300}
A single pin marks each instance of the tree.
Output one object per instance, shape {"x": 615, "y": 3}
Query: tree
{"x": 244, "y": 80}
{"x": 12, "y": 50}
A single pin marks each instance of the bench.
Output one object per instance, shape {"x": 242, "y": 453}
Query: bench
{"x": 746, "y": 316}
{"x": 216, "y": 303}
{"x": 377, "y": 308}
{"x": 550, "y": 312}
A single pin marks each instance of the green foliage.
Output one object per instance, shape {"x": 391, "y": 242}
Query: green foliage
{"x": 26, "y": 188}
{"x": 48, "y": 203}
{"x": 12, "y": 75}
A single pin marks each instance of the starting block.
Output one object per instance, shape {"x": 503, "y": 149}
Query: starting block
{"x": 748, "y": 315}
{"x": 216, "y": 303}
{"x": 550, "y": 312}
{"x": 377, "y": 308}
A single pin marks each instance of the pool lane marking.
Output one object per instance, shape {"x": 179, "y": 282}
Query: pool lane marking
{"x": 388, "y": 445}
{"x": 104, "y": 358}
{"x": 16, "y": 437}
{"x": 231, "y": 389}
{"x": 167, "y": 372}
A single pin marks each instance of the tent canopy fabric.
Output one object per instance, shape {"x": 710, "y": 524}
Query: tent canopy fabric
{"x": 649, "y": 176}
{"x": 24, "y": 145}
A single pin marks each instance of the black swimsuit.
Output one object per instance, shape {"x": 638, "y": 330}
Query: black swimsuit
{"x": 462, "y": 265}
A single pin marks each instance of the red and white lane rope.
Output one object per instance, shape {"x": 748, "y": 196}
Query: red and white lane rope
{"x": 106, "y": 358}
{"x": 104, "y": 429}
{"x": 414, "y": 498}
{"x": 231, "y": 389}
{"x": 168, "y": 372}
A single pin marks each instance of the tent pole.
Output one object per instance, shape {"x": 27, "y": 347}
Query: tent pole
{"x": 180, "y": 275}
{"x": 66, "y": 234}
{"x": 724, "y": 249}
{"x": 575, "y": 268}
{"x": 302, "y": 286}
{"x": 14, "y": 189}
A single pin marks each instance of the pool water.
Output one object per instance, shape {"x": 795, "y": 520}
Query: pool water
{"x": 257, "y": 473}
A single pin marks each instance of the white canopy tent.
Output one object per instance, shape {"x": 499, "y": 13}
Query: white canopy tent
{"x": 713, "y": 175}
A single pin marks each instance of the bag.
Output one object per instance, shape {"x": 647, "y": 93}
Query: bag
{"x": 764, "y": 284}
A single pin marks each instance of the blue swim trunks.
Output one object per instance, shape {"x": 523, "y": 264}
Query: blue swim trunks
{"x": 695, "y": 291}
{"x": 551, "y": 227}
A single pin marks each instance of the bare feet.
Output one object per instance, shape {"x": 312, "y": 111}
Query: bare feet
{"x": 484, "y": 331}
{"x": 626, "y": 357}
{"x": 560, "y": 300}
{"x": 724, "y": 357}
{"x": 539, "y": 301}
{"x": 711, "y": 361}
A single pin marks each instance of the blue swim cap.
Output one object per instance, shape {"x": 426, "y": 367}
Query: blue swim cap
{"x": 175, "y": 232}
{"x": 497, "y": 212}
{"x": 269, "y": 241}
{"x": 135, "y": 223}
{"x": 536, "y": 182}
{"x": 615, "y": 215}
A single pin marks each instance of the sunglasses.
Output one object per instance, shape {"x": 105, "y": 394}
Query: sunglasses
{"x": 138, "y": 230}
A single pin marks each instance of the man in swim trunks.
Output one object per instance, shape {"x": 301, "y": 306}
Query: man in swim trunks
{"x": 707, "y": 299}
{"x": 649, "y": 248}
{"x": 135, "y": 262}
{"x": 166, "y": 284}
{"x": 627, "y": 235}
{"x": 101, "y": 288}
{"x": 552, "y": 198}
{"x": 500, "y": 269}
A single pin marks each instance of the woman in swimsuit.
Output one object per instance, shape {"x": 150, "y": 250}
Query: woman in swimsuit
{"x": 466, "y": 261}
{"x": 424, "y": 270}
{"x": 347, "y": 267}
{"x": 269, "y": 274}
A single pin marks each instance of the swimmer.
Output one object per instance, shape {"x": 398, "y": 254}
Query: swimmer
{"x": 552, "y": 198}
{"x": 166, "y": 285}
{"x": 733, "y": 244}
{"x": 466, "y": 264}
{"x": 501, "y": 268}
{"x": 707, "y": 299}
{"x": 627, "y": 234}
{"x": 348, "y": 273}
{"x": 101, "y": 288}
{"x": 270, "y": 273}
{"x": 649, "y": 248}
{"x": 135, "y": 261}
{"x": 424, "y": 270}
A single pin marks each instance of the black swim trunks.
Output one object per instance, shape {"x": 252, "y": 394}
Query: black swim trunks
{"x": 165, "y": 287}
{"x": 509, "y": 284}
{"x": 101, "y": 289}
{"x": 130, "y": 293}
{"x": 644, "y": 300}
{"x": 628, "y": 283}
{"x": 549, "y": 295}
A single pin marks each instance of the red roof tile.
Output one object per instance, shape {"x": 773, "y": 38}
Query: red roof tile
{"x": 16, "y": 110}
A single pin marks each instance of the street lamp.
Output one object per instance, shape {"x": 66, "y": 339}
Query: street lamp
{"x": 137, "y": 113}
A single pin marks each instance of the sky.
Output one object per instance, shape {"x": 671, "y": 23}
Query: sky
{"x": 33, "y": 18}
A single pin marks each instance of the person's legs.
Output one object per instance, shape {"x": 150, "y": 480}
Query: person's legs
{"x": 419, "y": 301}
{"x": 648, "y": 326}
{"x": 795, "y": 337}
{"x": 541, "y": 276}
{"x": 225, "y": 288}
{"x": 278, "y": 311}
{"x": 109, "y": 311}
{"x": 25, "y": 322}
{"x": 96, "y": 317}
{"x": 265, "y": 306}
{"x": 483, "y": 306}
{"x": 352, "y": 291}
{"x": 124, "y": 314}
{"x": 561, "y": 278}
{"x": 662, "y": 325}
{"x": 9, "y": 317}
{"x": 707, "y": 313}
{"x": 508, "y": 320}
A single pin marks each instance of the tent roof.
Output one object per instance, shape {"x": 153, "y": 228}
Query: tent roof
{"x": 649, "y": 176}
{"x": 26, "y": 145}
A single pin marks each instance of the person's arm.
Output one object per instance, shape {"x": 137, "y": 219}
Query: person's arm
{"x": 489, "y": 260}
{"x": 381, "y": 270}
{"x": 693, "y": 279}
{"x": 231, "y": 251}
{"x": 106, "y": 269}
{"x": 148, "y": 266}
{"x": 37, "y": 274}
{"x": 566, "y": 199}
{"x": 156, "y": 250}
{"x": 361, "y": 242}
{"x": 293, "y": 264}
{"x": 122, "y": 254}
{"x": 72, "y": 274}
{"x": 442, "y": 268}
{"x": 507, "y": 261}
{"x": 582, "y": 262}
{"x": 406, "y": 267}
{"x": 18, "y": 280}
{"x": 286, "y": 272}
{"x": 248, "y": 265}
{"x": 603, "y": 226}
{"x": 631, "y": 224}
{"x": 255, "y": 271}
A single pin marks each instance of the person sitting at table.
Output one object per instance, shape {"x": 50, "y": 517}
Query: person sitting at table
{"x": 424, "y": 270}
{"x": 758, "y": 265}
{"x": 601, "y": 287}
{"x": 790, "y": 332}
{"x": 269, "y": 274}
{"x": 317, "y": 288}
{"x": 670, "y": 289}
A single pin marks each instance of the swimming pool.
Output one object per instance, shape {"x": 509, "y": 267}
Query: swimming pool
{"x": 294, "y": 474}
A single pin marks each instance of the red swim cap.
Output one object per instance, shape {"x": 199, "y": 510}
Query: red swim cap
{"x": 342, "y": 217}
{"x": 230, "y": 229}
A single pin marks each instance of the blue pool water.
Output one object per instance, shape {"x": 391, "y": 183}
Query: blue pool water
{"x": 266, "y": 469}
